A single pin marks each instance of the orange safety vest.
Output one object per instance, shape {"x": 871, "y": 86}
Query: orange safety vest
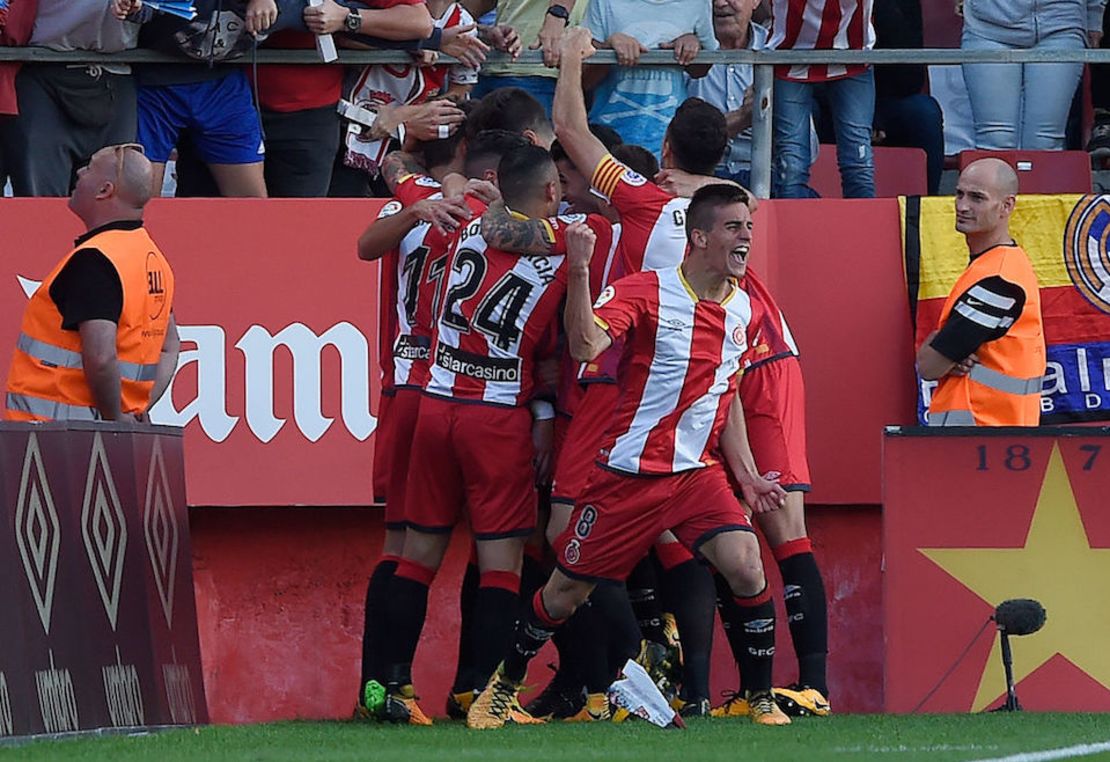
{"x": 1004, "y": 388}
{"x": 46, "y": 381}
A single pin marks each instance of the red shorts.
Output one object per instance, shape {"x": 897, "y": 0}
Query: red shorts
{"x": 383, "y": 448}
{"x": 774, "y": 411}
{"x": 472, "y": 456}
{"x": 583, "y": 440}
{"x": 619, "y": 517}
{"x": 403, "y": 413}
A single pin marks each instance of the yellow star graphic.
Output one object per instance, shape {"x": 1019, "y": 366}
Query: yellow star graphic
{"x": 1057, "y": 567}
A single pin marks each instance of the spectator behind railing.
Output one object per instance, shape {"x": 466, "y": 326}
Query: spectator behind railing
{"x": 539, "y": 25}
{"x": 905, "y": 116}
{"x": 213, "y": 102}
{"x": 1099, "y": 144}
{"x": 406, "y": 99}
{"x": 849, "y": 90}
{"x": 15, "y": 30}
{"x": 639, "y": 101}
{"x": 729, "y": 86}
{"x": 67, "y": 113}
{"x": 1025, "y": 106}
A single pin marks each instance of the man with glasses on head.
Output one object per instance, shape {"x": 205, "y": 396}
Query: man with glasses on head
{"x": 98, "y": 339}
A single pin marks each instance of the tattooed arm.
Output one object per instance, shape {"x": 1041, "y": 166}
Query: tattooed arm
{"x": 397, "y": 165}
{"x": 522, "y": 236}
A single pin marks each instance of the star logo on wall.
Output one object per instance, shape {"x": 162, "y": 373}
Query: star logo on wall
{"x": 1056, "y": 566}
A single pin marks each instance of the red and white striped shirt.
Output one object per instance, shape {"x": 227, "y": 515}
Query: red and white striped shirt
{"x": 605, "y": 267}
{"x": 392, "y": 318}
{"x": 821, "y": 25}
{"x": 677, "y": 373}
{"x": 653, "y": 222}
{"x": 769, "y": 337}
{"x": 499, "y": 315}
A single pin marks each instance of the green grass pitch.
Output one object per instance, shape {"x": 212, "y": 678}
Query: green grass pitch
{"x": 937, "y": 737}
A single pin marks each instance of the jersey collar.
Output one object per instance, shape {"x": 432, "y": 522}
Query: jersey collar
{"x": 114, "y": 225}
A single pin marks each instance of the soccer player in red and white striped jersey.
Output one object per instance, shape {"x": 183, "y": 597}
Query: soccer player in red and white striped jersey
{"x": 848, "y": 90}
{"x": 686, "y": 335}
{"x": 402, "y": 237}
{"x": 473, "y": 437}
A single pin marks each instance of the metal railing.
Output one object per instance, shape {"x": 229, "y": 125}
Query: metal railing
{"x": 763, "y": 62}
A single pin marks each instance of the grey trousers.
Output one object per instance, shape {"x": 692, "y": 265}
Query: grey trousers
{"x": 66, "y": 114}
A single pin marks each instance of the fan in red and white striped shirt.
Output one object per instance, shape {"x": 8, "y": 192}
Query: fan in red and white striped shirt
{"x": 821, "y": 25}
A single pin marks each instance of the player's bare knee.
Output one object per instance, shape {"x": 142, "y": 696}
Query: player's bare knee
{"x": 425, "y": 548}
{"x": 563, "y": 595}
{"x": 506, "y": 554}
{"x": 787, "y": 523}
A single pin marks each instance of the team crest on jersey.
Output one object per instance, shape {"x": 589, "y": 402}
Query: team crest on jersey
{"x": 605, "y": 297}
{"x": 738, "y": 336}
{"x": 573, "y": 553}
{"x": 1085, "y": 249}
{"x": 391, "y": 208}
{"x": 570, "y": 219}
{"x": 633, "y": 178}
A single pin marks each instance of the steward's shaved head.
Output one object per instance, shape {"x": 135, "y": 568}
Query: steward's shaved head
{"x": 994, "y": 174}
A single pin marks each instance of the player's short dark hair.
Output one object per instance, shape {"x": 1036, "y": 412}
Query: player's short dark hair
{"x": 508, "y": 108}
{"x": 637, "y": 158}
{"x": 522, "y": 173}
{"x": 697, "y": 136}
{"x": 701, "y": 213}
{"x": 484, "y": 150}
{"x": 609, "y": 137}
{"x": 439, "y": 152}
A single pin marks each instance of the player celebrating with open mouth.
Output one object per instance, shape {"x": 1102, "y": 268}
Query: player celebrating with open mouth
{"x": 684, "y": 331}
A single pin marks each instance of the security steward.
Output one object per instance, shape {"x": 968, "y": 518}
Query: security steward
{"x": 988, "y": 352}
{"x": 98, "y": 340}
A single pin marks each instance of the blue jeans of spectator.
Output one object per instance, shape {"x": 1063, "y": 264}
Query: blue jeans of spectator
{"x": 741, "y": 177}
{"x": 541, "y": 88}
{"x": 852, "y": 102}
{"x": 915, "y": 121}
{"x": 1022, "y": 105}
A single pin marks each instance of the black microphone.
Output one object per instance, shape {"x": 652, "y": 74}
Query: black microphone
{"x": 1019, "y": 616}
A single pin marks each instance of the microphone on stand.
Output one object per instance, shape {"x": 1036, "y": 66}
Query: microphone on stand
{"x": 1018, "y": 616}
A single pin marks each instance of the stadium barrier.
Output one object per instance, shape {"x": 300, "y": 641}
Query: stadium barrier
{"x": 974, "y": 518}
{"x": 96, "y": 584}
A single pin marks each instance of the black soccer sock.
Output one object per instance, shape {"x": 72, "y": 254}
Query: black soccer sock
{"x": 621, "y": 631}
{"x": 497, "y": 605}
{"x": 588, "y": 647}
{"x": 642, "y": 586}
{"x": 532, "y": 630}
{"x": 465, "y": 679}
{"x": 689, "y": 593}
{"x": 533, "y": 576}
{"x": 406, "y": 609}
{"x": 377, "y": 590}
{"x": 806, "y": 611}
{"x": 755, "y": 620}
{"x": 730, "y": 615}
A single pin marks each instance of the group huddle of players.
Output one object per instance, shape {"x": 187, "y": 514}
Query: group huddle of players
{"x": 602, "y": 445}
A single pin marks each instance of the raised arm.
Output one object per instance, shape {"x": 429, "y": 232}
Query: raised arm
{"x": 585, "y": 338}
{"x": 386, "y": 233}
{"x": 568, "y": 111}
